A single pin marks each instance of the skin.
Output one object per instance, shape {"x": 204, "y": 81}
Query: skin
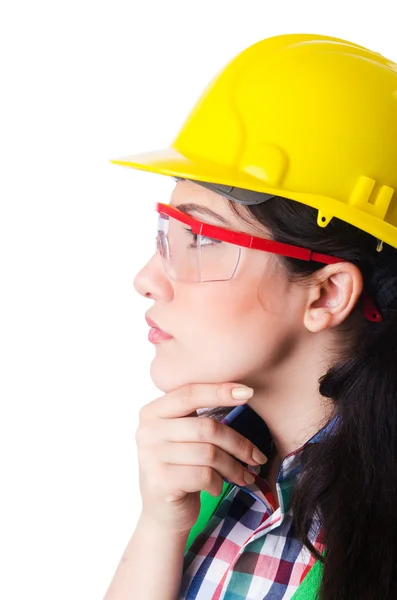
{"x": 258, "y": 329}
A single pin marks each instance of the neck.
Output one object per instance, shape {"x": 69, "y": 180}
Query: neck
{"x": 290, "y": 403}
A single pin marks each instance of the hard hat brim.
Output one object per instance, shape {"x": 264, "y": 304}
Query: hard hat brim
{"x": 168, "y": 161}
{"x": 171, "y": 162}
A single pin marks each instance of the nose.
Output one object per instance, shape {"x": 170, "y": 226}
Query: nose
{"x": 152, "y": 282}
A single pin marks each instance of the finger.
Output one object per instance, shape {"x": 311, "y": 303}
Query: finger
{"x": 207, "y": 430}
{"x": 188, "y": 398}
{"x": 180, "y": 480}
{"x": 204, "y": 455}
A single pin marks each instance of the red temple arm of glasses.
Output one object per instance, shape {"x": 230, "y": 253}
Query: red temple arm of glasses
{"x": 257, "y": 243}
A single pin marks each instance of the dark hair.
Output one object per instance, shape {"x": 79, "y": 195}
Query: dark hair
{"x": 349, "y": 478}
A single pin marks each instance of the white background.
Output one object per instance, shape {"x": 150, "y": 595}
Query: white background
{"x": 82, "y": 82}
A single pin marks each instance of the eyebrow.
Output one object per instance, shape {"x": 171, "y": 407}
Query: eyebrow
{"x": 202, "y": 210}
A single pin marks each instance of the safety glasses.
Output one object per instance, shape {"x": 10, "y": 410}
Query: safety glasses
{"x": 193, "y": 251}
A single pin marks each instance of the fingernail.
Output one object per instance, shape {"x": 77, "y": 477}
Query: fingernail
{"x": 259, "y": 456}
{"x": 248, "y": 477}
{"x": 242, "y": 393}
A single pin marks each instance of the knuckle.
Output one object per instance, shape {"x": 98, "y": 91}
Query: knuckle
{"x": 208, "y": 428}
{"x": 143, "y": 412}
{"x": 148, "y": 410}
{"x": 223, "y": 392}
{"x": 210, "y": 452}
{"x": 206, "y": 476}
{"x": 141, "y": 436}
{"x": 217, "y": 485}
{"x": 219, "y": 489}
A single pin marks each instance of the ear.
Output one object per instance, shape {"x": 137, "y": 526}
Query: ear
{"x": 332, "y": 299}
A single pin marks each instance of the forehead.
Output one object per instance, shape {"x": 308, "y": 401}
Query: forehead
{"x": 190, "y": 193}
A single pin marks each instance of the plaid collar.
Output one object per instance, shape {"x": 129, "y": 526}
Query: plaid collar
{"x": 247, "y": 422}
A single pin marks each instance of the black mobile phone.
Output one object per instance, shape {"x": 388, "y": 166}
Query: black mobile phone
{"x": 247, "y": 422}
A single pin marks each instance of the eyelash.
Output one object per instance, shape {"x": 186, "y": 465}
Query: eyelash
{"x": 204, "y": 238}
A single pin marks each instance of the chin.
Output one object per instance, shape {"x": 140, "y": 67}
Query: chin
{"x": 169, "y": 379}
{"x": 165, "y": 379}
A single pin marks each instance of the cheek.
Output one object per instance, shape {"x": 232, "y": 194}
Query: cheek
{"x": 233, "y": 328}
{"x": 227, "y": 331}
{"x": 222, "y": 307}
{"x": 243, "y": 302}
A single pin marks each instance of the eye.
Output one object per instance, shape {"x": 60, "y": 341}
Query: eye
{"x": 205, "y": 241}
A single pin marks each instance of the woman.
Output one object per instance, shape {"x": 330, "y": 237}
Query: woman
{"x": 275, "y": 272}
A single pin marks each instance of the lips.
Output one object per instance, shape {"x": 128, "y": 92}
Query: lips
{"x": 154, "y": 325}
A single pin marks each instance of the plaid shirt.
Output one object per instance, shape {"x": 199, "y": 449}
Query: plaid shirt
{"x": 248, "y": 549}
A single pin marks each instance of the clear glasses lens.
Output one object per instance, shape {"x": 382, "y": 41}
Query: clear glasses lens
{"x": 193, "y": 258}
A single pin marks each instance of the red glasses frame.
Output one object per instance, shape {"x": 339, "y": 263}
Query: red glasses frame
{"x": 246, "y": 240}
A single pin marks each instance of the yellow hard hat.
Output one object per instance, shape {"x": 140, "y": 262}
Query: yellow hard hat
{"x": 309, "y": 117}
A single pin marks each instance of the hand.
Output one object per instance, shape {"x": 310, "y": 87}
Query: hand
{"x": 181, "y": 454}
